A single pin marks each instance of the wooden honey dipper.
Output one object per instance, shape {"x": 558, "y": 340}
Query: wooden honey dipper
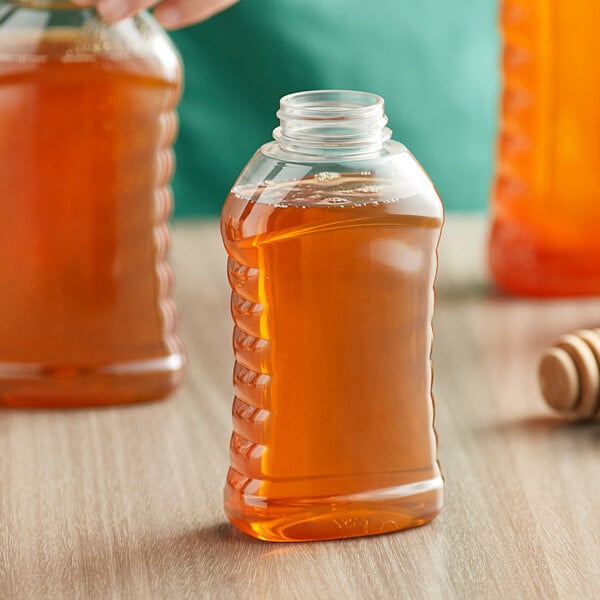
{"x": 569, "y": 374}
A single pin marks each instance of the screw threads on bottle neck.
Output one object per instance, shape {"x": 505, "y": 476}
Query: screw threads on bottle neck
{"x": 337, "y": 122}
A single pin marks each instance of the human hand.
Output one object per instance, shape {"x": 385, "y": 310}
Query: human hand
{"x": 172, "y": 14}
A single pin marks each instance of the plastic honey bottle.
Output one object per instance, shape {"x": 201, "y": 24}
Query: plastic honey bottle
{"x": 86, "y": 127}
{"x": 546, "y": 208}
{"x": 332, "y": 232}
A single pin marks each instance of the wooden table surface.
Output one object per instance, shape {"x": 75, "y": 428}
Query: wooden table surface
{"x": 127, "y": 502}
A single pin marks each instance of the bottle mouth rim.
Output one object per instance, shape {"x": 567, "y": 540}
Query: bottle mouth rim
{"x": 329, "y": 105}
{"x": 343, "y": 122}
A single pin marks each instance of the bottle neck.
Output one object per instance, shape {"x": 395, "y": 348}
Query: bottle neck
{"x": 332, "y": 123}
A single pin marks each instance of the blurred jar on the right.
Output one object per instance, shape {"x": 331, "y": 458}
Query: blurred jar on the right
{"x": 545, "y": 238}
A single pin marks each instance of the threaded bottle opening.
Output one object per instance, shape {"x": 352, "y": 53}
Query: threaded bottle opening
{"x": 332, "y": 121}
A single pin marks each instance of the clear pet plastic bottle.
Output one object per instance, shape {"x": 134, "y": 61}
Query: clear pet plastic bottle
{"x": 546, "y": 208}
{"x": 332, "y": 232}
{"x": 86, "y": 126}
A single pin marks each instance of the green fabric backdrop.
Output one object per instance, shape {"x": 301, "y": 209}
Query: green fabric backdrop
{"x": 434, "y": 62}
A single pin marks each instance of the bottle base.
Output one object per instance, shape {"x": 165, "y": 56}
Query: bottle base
{"x": 543, "y": 283}
{"x": 526, "y": 266}
{"x": 335, "y": 517}
{"x": 36, "y": 386}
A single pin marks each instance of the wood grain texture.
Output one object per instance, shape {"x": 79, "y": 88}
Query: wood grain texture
{"x": 127, "y": 502}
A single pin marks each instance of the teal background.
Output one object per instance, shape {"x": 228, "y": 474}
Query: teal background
{"x": 434, "y": 61}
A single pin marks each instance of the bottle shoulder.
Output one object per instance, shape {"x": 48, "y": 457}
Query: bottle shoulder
{"x": 275, "y": 150}
{"x": 36, "y": 39}
{"x": 392, "y": 177}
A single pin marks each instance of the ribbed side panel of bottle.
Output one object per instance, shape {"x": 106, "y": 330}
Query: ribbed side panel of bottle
{"x": 165, "y": 168}
{"x": 524, "y": 178}
{"x": 519, "y": 142}
{"x": 251, "y": 378}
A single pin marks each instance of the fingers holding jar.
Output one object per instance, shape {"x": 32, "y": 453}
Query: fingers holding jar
{"x": 172, "y": 14}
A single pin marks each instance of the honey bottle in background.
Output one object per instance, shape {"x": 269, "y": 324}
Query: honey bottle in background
{"x": 332, "y": 232}
{"x": 546, "y": 204}
{"x": 86, "y": 126}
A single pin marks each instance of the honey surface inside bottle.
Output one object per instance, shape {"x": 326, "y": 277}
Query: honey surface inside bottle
{"x": 332, "y": 298}
{"x": 546, "y": 205}
{"x": 85, "y": 161}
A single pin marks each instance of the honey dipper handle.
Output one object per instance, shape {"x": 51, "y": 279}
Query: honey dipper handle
{"x": 569, "y": 374}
